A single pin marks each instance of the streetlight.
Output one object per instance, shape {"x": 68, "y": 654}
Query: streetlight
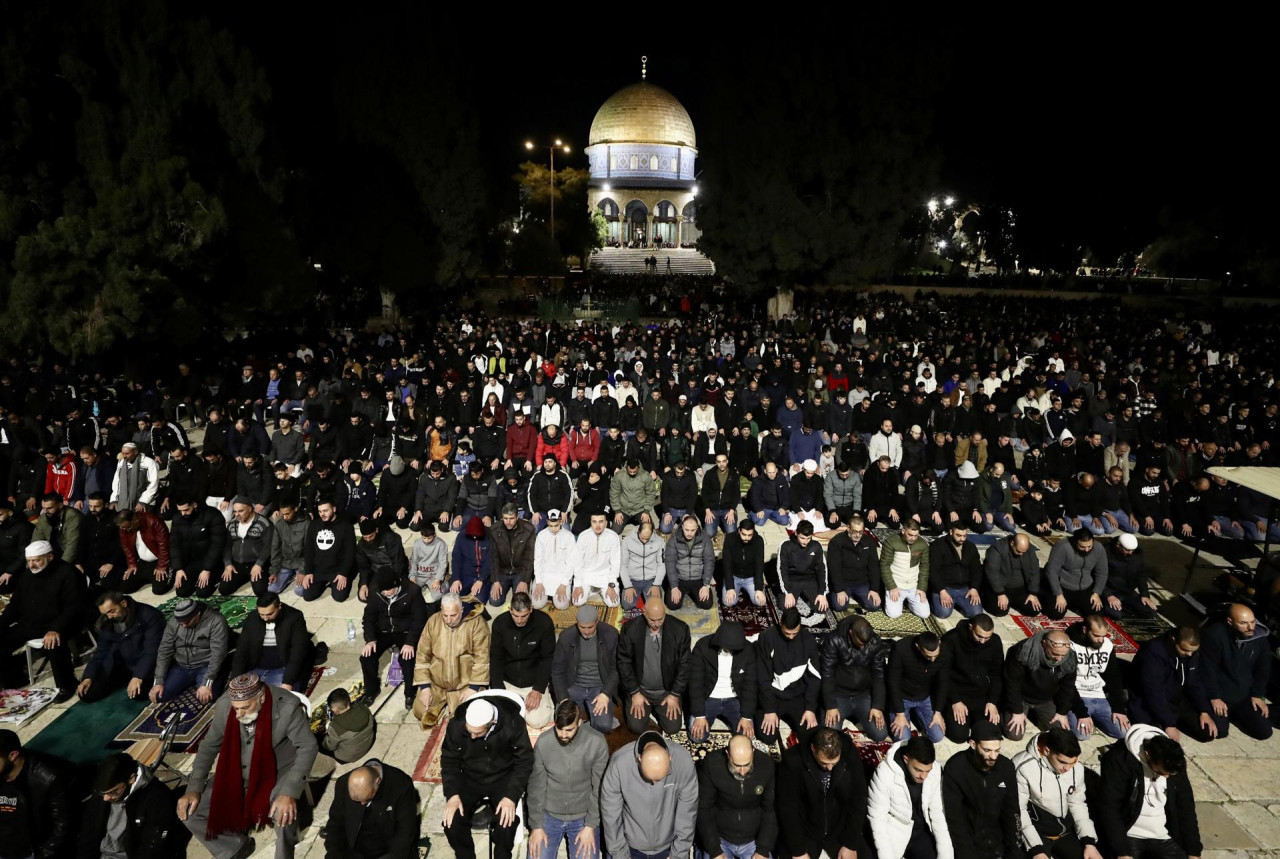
{"x": 559, "y": 144}
{"x": 949, "y": 202}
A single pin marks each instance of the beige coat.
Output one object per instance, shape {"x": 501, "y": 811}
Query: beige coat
{"x": 452, "y": 660}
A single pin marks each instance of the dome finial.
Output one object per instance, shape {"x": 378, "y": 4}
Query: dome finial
{"x": 644, "y": 71}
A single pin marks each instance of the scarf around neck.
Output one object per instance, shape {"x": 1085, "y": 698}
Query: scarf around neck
{"x": 237, "y": 806}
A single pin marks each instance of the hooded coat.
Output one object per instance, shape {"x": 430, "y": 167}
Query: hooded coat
{"x": 704, "y": 669}
{"x": 1128, "y": 782}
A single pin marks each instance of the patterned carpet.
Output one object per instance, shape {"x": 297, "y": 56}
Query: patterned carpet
{"x": 235, "y": 609}
{"x": 427, "y": 770}
{"x": 755, "y": 619}
{"x": 1143, "y": 629}
{"x": 1033, "y": 623}
{"x": 565, "y": 618}
{"x": 193, "y": 719}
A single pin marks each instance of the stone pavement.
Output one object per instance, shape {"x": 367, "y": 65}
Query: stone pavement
{"x": 1236, "y": 780}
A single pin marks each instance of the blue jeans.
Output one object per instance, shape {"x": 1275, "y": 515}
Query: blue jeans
{"x": 1097, "y": 527}
{"x": 767, "y": 515}
{"x": 1126, "y": 524}
{"x": 565, "y": 831}
{"x": 1100, "y": 711}
{"x": 728, "y": 710}
{"x": 504, "y": 583}
{"x": 676, "y": 515}
{"x": 740, "y": 584}
{"x": 178, "y": 680}
{"x": 730, "y": 851}
{"x": 281, "y": 584}
{"x": 1254, "y": 534}
{"x": 959, "y": 602}
{"x": 583, "y": 696}
{"x": 861, "y": 593}
{"x": 857, "y": 709}
{"x": 1003, "y": 521}
{"x": 271, "y": 676}
{"x": 718, "y": 520}
{"x": 921, "y": 712}
{"x": 1227, "y": 529}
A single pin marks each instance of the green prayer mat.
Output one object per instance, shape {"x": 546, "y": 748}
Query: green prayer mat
{"x": 235, "y": 609}
{"x": 83, "y": 733}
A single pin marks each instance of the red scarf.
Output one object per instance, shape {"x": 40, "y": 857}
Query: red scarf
{"x": 233, "y": 807}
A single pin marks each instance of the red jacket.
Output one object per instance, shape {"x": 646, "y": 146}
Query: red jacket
{"x": 522, "y": 442}
{"x": 584, "y": 447}
{"x": 60, "y": 477}
{"x": 155, "y": 536}
{"x": 559, "y": 449}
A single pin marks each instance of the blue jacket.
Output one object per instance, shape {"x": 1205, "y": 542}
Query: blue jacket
{"x": 790, "y": 420}
{"x": 1235, "y": 669}
{"x": 806, "y": 446}
{"x": 472, "y": 560}
{"x": 1158, "y": 672}
{"x": 766, "y": 494}
{"x": 135, "y": 648}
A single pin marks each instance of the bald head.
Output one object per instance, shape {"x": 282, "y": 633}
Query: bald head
{"x": 1021, "y": 543}
{"x": 362, "y": 785}
{"x": 655, "y": 763}
{"x": 741, "y": 752}
{"x": 655, "y": 612}
{"x": 1240, "y": 618}
{"x": 1086, "y": 480}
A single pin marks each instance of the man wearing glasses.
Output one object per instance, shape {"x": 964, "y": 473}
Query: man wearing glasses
{"x": 1040, "y": 684}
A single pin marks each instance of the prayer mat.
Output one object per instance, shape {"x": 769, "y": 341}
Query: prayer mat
{"x": 700, "y": 621}
{"x": 871, "y": 752}
{"x": 903, "y": 625}
{"x": 755, "y": 619}
{"x": 825, "y": 625}
{"x": 19, "y": 706}
{"x": 82, "y": 734}
{"x": 1143, "y": 629}
{"x": 427, "y": 770}
{"x": 719, "y": 739}
{"x": 235, "y": 609}
{"x": 320, "y": 711}
{"x": 1030, "y": 624}
{"x": 565, "y": 618}
{"x": 193, "y": 719}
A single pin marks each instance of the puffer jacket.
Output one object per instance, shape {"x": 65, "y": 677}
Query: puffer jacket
{"x": 631, "y": 495}
{"x": 436, "y": 494}
{"x": 690, "y": 562}
{"x": 641, "y": 561}
{"x": 849, "y": 670}
{"x": 288, "y": 543}
{"x": 453, "y": 659}
{"x": 890, "y": 811}
{"x": 840, "y": 491}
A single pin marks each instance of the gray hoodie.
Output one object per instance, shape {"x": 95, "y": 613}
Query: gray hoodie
{"x": 648, "y": 817}
{"x": 559, "y": 784}
{"x": 430, "y": 562}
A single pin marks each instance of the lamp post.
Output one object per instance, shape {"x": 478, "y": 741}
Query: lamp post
{"x": 559, "y": 144}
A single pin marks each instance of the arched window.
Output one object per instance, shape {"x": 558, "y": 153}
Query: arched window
{"x": 635, "y": 162}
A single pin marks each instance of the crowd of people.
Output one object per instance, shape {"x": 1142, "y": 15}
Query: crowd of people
{"x": 602, "y": 465}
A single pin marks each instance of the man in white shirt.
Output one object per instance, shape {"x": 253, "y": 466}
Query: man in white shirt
{"x": 597, "y": 563}
{"x": 553, "y": 556}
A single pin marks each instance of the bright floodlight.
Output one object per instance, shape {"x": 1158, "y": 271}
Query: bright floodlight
{"x": 558, "y": 143}
{"x": 942, "y": 244}
{"x": 932, "y": 205}
{"x": 950, "y": 201}
{"x": 566, "y": 149}
{"x": 695, "y": 190}
{"x": 605, "y": 187}
{"x": 528, "y": 144}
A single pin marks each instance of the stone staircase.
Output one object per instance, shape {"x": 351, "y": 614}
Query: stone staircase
{"x": 628, "y": 261}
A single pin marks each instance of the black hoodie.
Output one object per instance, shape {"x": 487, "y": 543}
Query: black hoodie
{"x": 704, "y": 669}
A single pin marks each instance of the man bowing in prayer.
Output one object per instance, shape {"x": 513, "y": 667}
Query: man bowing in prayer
{"x": 263, "y": 742}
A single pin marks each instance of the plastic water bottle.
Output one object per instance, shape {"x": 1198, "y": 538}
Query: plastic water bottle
{"x": 351, "y": 630}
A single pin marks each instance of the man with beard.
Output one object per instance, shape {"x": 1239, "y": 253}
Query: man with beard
{"x": 980, "y": 797}
{"x": 104, "y": 557}
{"x": 564, "y": 787}
{"x": 374, "y": 813}
{"x": 330, "y": 556}
{"x": 36, "y": 795}
{"x": 736, "y": 802}
{"x": 1076, "y": 576}
{"x": 262, "y": 739}
{"x": 1237, "y": 668}
{"x": 130, "y": 813}
{"x": 49, "y": 604}
{"x": 129, "y": 636}
{"x": 1099, "y": 682}
{"x": 1040, "y": 683}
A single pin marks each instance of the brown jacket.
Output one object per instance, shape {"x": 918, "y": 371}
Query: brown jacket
{"x": 453, "y": 659}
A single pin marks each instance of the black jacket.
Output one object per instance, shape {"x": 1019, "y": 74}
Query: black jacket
{"x": 402, "y": 617}
{"x": 1125, "y": 575}
{"x": 715, "y": 498}
{"x": 52, "y": 812}
{"x": 909, "y": 676}
{"x": 501, "y": 761}
{"x": 851, "y": 564}
{"x": 794, "y": 661}
{"x": 54, "y": 599}
{"x": 1024, "y": 686}
{"x": 981, "y": 807}
{"x": 811, "y": 819}
{"x": 152, "y": 827}
{"x": 737, "y": 811}
{"x": 293, "y": 642}
{"x": 196, "y": 544}
{"x": 393, "y": 815}
{"x": 135, "y": 648}
{"x": 970, "y": 671}
{"x": 951, "y": 569}
{"x": 1160, "y": 679}
{"x": 564, "y": 668}
{"x": 704, "y": 668}
{"x": 1120, "y": 797}
{"x": 675, "y": 655}
{"x": 847, "y": 670}
{"x": 15, "y": 534}
{"x": 386, "y": 552}
{"x": 522, "y": 655}
{"x": 743, "y": 560}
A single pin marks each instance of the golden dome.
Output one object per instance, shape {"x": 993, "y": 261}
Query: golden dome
{"x": 643, "y": 113}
